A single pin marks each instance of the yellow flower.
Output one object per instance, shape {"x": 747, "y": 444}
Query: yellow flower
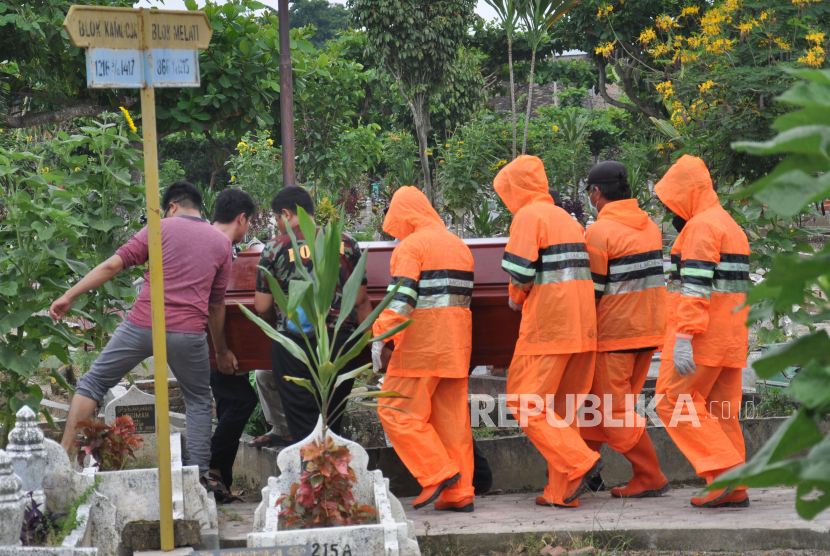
{"x": 241, "y": 146}
{"x": 665, "y": 89}
{"x": 429, "y": 153}
{"x": 781, "y": 44}
{"x": 605, "y": 49}
{"x": 814, "y": 57}
{"x": 128, "y": 118}
{"x": 604, "y": 10}
{"x": 461, "y": 142}
{"x": 690, "y": 10}
{"x": 647, "y": 36}
{"x": 270, "y": 142}
{"x": 440, "y": 162}
{"x": 815, "y": 37}
{"x": 746, "y": 27}
{"x": 347, "y": 131}
{"x": 233, "y": 178}
{"x": 29, "y": 138}
{"x": 659, "y": 50}
{"x": 705, "y": 87}
{"x": 447, "y": 145}
{"x": 77, "y": 168}
{"x": 556, "y": 128}
{"x": 665, "y": 22}
{"x": 501, "y": 163}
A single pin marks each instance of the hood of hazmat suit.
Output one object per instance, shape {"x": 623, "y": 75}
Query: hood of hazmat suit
{"x": 437, "y": 272}
{"x": 709, "y": 269}
{"x": 547, "y": 260}
{"x": 626, "y": 253}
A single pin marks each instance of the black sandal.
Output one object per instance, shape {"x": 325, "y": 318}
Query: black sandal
{"x": 222, "y": 498}
{"x": 273, "y": 441}
{"x": 212, "y": 483}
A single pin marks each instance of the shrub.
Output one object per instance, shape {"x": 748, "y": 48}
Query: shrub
{"x": 109, "y": 445}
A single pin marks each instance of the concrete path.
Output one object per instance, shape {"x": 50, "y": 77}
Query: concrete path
{"x": 667, "y": 523}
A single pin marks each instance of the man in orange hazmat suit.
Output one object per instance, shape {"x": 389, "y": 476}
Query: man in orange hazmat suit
{"x": 550, "y": 283}
{"x": 706, "y": 335}
{"x": 626, "y": 254}
{"x": 431, "y": 357}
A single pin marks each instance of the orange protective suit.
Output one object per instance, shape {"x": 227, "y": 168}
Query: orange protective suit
{"x": 431, "y": 359}
{"x": 626, "y": 254}
{"x": 550, "y": 278}
{"x": 709, "y": 284}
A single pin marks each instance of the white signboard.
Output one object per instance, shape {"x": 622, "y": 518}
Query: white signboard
{"x": 170, "y": 67}
{"x": 113, "y": 68}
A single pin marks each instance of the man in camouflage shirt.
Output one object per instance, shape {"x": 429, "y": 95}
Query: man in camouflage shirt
{"x": 277, "y": 258}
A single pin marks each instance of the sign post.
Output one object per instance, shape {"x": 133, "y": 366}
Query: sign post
{"x": 143, "y": 49}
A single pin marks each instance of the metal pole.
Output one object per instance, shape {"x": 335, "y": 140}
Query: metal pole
{"x": 286, "y": 98}
{"x": 151, "y": 184}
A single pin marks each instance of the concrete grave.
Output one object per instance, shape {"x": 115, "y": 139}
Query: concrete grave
{"x": 132, "y": 495}
{"x": 12, "y": 503}
{"x": 142, "y": 408}
{"x": 391, "y": 535}
{"x": 25, "y": 448}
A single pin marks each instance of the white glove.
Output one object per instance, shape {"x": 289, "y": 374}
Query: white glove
{"x": 684, "y": 357}
{"x": 513, "y": 305}
{"x": 377, "y": 364}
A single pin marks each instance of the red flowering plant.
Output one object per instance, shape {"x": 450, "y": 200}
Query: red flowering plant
{"x": 110, "y": 446}
{"x": 323, "y": 497}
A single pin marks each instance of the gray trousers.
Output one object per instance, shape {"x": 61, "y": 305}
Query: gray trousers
{"x": 269, "y": 399}
{"x": 188, "y": 357}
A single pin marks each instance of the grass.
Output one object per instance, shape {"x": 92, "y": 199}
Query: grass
{"x": 232, "y": 516}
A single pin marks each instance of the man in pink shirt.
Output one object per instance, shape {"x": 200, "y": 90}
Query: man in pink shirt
{"x": 197, "y": 266}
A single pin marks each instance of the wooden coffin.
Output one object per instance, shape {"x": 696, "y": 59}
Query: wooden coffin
{"x": 495, "y": 326}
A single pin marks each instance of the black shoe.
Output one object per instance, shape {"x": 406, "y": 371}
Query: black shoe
{"x": 583, "y": 485}
{"x": 596, "y": 484}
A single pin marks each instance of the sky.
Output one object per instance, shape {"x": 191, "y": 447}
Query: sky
{"x": 482, "y": 8}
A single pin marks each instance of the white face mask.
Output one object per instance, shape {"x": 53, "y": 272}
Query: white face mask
{"x": 594, "y": 209}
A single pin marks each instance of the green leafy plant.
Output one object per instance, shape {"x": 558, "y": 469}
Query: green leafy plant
{"x": 257, "y": 167}
{"x": 40, "y": 236}
{"x": 314, "y": 294}
{"x": 107, "y": 201}
{"x": 110, "y": 446}
{"x": 323, "y": 497}
{"x": 799, "y": 179}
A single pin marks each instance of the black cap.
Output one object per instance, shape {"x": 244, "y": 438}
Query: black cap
{"x": 607, "y": 172}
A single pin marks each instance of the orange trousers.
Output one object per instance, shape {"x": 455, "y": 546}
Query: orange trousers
{"x": 568, "y": 456}
{"x": 618, "y": 375}
{"x": 712, "y": 440}
{"x": 432, "y": 433}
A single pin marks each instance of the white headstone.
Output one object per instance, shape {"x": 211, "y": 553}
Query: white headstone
{"x": 28, "y": 455}
{"x": 142, "y": 408}
{"x": 12, "y": 503}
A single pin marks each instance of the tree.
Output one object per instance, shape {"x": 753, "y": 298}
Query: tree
{"x": 716, "y": 73}
{"x": 509, "y": 16}
{"x": 538, "y": 16}
{"x": 417, "y": 42}
{"x": 592, "y": 24}
{"x": 327, "y": 18}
